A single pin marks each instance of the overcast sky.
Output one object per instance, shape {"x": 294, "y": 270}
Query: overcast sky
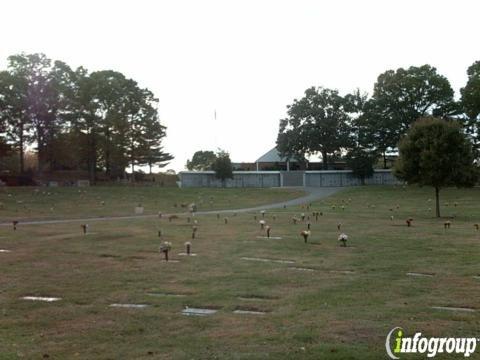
{"x": 245, "y": 59}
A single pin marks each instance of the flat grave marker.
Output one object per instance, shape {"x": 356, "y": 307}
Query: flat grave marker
{"x": 198, "y": 311}
{"x": 41, "y": 298}
{"x": 132, "y": 306}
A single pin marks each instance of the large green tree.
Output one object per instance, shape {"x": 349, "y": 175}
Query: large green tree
{"x": 436, "y": 153}
{"x": 402, "y": 96}
{"x": 202, "y": 160}
{"x": 318, "y": 122}
{"x": 471, "y": 102}
{"x": 223, "y": 166}
{"x": 105, "y": 121}
{"x": 14, "y": 119}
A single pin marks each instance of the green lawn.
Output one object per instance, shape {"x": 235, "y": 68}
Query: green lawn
{"x": 64, "y": 202}
{"x": 343, "y": 309}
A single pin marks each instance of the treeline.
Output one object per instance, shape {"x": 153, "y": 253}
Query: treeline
{"x": 76, "y": 120}
{"x": 369, "y": 128}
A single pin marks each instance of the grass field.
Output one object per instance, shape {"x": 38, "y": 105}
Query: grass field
{"x": 342, "y": 307}
{"x": 67, "y": 202}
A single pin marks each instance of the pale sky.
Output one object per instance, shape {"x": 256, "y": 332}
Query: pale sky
{"x": 245, "y": 59}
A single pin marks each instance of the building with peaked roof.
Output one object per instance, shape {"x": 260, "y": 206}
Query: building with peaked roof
{"x": 272, "y": 159}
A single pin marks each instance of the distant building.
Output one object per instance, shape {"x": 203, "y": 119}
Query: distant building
{"x": 272, "y": 160}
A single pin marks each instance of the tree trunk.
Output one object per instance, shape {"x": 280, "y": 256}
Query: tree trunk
{"x": 22, "y": 152}
{"x": 384, "y": 160}
{"x": 437, "y": 200}
{"x": 132, "y": 158}
{"x": 324, "y": 158}
{"x": 92, "y": 158}
{"x": 40, "y": 149}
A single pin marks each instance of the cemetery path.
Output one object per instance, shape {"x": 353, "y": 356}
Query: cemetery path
{"x": 313, "y": 194}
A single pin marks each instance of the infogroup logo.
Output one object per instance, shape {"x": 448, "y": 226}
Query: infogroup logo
{"x": 397, "y": 344}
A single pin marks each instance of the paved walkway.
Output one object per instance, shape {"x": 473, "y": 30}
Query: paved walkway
{"x": 313, "y": 194}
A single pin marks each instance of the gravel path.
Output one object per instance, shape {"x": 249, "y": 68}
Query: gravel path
{"x": 313, "y": 194}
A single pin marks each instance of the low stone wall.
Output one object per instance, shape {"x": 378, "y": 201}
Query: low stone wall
{"x": 326, "y": 178}
{"x": 257, "y": 179}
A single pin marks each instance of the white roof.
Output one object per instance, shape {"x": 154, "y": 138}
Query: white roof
{"x": 272, "y": 156}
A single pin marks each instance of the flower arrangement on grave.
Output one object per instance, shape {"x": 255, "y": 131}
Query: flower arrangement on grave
{"x": 343, "y": 239}
{"x": 267, "y": 229}
{"x": 294, "y": 220}
{"x": 225, "y": 220}
{"x": 165, "y": 247}
{"x": 305, "y": 234}
{"x": 84, "y": 228}
{"x": 262, "y": 224}
{"x": 263, "y": 213}
{"x": 302, "y": 215}
{"x": 15, "y": 223}
{"x": 409, "y": 222}
{"x": 339, "y": 225}
{"x": 446, "y": 224}
{"x": 194, "y": 231}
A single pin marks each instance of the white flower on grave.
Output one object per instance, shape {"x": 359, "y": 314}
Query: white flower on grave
{"x": 343, "y": 238}
{"x": 262, "y": 212}
{"x": 165, "y": 246}
{"x": 188, "y": 243}
{"x": 262, "y": 224}
{"x": 305, "y": 234}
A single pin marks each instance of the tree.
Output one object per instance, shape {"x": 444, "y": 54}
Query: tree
{"x": 361, "y": 162}
{"x": 400, "y": 98}
{"x": 471, "y": 102}
{"x": 318, "y": 122}
{"x": 436, "y": 153}
{"x": 14, "y": 120}
{"x": 202, "y": 160}
{"x": 223, "y": 166}
{"x": 151, "y": 152}
{"x": 109, "y": 120}
{"x": 41, "y": 99}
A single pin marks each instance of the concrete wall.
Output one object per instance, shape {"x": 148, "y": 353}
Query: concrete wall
{"x": 324, "y": 178}
{"x": 240, "y": 179}
{"x": 346, "y": 178}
